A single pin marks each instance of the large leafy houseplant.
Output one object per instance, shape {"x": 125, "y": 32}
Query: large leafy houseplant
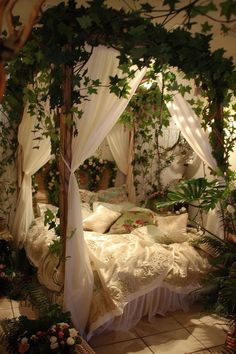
{"x": 219, "y": 286}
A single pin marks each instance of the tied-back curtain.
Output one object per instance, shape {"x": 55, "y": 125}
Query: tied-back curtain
{"x": 118, "y": 140}
{"x": 100, "y": 114}
{"x": 35, "y": 152}
{"x": 121, "y": 143}
{"x": 190, "y": 126}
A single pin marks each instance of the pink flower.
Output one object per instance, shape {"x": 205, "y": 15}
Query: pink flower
{"x": 39, "y": 333}
{"x": 2, "y": 266}
{"x": 140, "y": 222}
{"x": 23, "y": 347}
{"x": 60, "y": 334}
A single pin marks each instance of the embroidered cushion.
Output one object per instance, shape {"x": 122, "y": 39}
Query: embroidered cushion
{"x": 131, "y": 220}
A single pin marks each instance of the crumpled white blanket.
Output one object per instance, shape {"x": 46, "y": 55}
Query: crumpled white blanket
{"x": 130, "y": 266}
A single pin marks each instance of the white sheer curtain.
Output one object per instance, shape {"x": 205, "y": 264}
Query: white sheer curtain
{"x": 99, "y": 116}
{"x": 189, "y": 125}
{"x": 118, "y": 140}
{"x": 35, "y": 153}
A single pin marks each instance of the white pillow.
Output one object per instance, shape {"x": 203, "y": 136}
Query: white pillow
{"x": 86, "y": 210}
{"x": 100, "y": 220}
{"x": 174, "y": 227}
{"x": 151, "y": 232}
{"x": 121, "y": 207}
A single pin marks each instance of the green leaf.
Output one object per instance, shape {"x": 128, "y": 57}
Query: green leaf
{"x": 206, "y": 27}
{"x": 228, "y": 8}
{"x": 224, "y": 29}
{"x": 171, "y": 4}
{"x": 85, "y": 22}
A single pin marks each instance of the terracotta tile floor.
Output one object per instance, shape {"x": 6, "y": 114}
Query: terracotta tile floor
{"x": 178, "y": 333}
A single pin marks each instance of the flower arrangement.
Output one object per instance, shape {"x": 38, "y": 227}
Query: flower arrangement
{"x": 52, "y": 332}
{"x": 94, "y": 169}
{"x": 59, "y": 338}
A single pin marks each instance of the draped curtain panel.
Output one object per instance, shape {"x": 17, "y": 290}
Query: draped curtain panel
{"x": 118, "y": 140}
{"x": 100, "y": 114}
{"x": 190, "y": 126}
{"x": 34, "y": 154}
{"x": 121, "y": 144}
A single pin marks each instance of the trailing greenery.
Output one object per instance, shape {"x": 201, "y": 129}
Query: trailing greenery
{"x": 61, "y": 38}
{"x": 147, "y": 116}
{"x": 94, "y": 169}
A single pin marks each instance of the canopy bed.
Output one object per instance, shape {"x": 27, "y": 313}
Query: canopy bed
{"x": 92, "y": 273}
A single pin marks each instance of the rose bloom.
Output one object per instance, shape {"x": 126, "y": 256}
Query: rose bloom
{"x": 53, "y": 339}
{"x": 54, "y": 345}
{"x": 2, "y": 266}
{"x": 60, "y": 334}
{"x": 73, "y": 332}
{"x": 70, "y": 341}
{"x": 23, "y": 347}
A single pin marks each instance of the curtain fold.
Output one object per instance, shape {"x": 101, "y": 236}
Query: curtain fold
{"x": 118, "y": 141}
{"x": 35, "y": 152}
{"x": 100, "y": 114}
{"x": 190, "y": 126}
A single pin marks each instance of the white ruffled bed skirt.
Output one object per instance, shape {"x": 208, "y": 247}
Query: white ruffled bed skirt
{"x": 159, "y": 301}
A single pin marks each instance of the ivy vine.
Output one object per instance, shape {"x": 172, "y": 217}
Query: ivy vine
{"x": 62, "y": 38}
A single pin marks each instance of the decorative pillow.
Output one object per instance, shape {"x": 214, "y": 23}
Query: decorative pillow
{"x": 113, "y": 195}
{"x": 174, "y": 227}
{"x": 121, "y": 207}
{"x": 86, "y": 210}
{"x": 151, "y": 232}
{"x": 131, "y": 220}
{"x": 100, "y": 220}
{"x": 87, "y": 196}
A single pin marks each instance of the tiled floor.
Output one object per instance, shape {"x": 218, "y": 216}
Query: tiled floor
{"x": 178, "y": 333}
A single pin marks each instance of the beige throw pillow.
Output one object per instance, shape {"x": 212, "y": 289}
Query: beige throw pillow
{"x": 174, "y": 227}
{"x": 100, "y": 220}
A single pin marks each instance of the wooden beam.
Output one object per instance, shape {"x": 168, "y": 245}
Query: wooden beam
{"x": 65, "y": 153}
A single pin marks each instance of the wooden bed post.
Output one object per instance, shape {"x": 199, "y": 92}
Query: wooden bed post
{"x": 66, "y": 131}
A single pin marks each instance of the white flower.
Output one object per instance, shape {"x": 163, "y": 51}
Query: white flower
{"x": 54, "y": 345}
{"x": 70, "y": 341}
{"x": 24, "y": 340}
{"x": 182, "y": 210}
{"x": 53, "y": 339}
{"x": 73, "y": 332}
{"x": 101, "y": 160}
{"x": 177, "y": 212}
{"x": 230, "y": 209}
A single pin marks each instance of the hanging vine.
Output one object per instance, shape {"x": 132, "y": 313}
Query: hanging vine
{"x": 140, "y": 41}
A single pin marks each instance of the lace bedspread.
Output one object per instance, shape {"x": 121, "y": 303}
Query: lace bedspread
{"x": 129, "y": 266}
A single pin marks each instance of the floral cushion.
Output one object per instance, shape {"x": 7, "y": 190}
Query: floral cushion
{"x": 121, "y": 207}
{"x": 131, "y": 220}
{"x": 87, "y": 196}
{"x": 112, "y": 195}
{"x": 100, "y": 220}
